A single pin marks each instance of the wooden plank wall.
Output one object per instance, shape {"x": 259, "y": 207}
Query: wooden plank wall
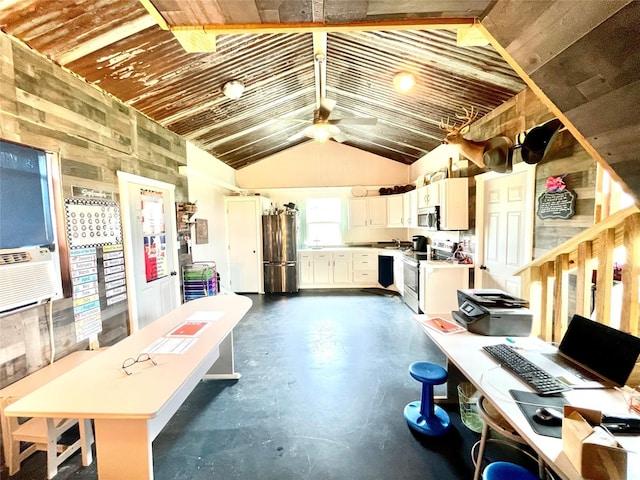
{"x": 94, "y": 135}
{"x": 566, "y": 156}
{"x": 581, "y": 56}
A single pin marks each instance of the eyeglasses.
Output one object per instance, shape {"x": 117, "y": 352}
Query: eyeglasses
{"x": 130, "y": 362}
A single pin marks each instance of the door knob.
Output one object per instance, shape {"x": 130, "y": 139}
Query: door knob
{"x": 173, "y": 274}
{"x": 483, "y": 267}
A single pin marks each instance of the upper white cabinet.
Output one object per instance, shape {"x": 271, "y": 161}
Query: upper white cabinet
{"x": 395, "y": 211}
{"x": 368, "y": 212}
{"x": 454, "y": 204}
{"x": 410, "y": 207}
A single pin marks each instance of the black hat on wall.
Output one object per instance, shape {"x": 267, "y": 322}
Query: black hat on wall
{"x": 538, "y": 141}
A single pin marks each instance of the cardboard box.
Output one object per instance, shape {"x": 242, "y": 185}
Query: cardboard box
{"x": 595, "y": 456}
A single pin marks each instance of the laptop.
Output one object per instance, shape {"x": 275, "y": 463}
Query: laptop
{"x": 590, "y": 355}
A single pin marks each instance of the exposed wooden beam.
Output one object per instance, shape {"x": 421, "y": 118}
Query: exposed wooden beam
{"x": 261, "y": 28}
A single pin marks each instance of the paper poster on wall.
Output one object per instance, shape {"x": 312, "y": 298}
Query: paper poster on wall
{"x": 152, "y": 207}
{"x": 86, "y": 297}
{"x": 92, "y": 223}
{"x": 115, "y": 283}
{"x": 154, "y": 234}
{"x": 155, "y": 257}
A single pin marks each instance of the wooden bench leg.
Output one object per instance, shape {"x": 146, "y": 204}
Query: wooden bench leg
{"x": 52, "y": 449}
{"x": 86, "y": 437}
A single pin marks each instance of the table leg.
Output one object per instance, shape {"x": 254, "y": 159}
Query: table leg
{"x": 123, "y": 449}
{"x": 223, "y": 368}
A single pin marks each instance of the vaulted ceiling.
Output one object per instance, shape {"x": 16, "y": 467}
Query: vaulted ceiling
{"x": 268, "y": 45}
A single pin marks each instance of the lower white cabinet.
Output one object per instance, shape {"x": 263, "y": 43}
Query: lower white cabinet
{"x": 365, "y": 268}
{"x": 341, "y": 268}
{"x": 324, "y": 268}
{"x": 398, "y": 272}
{"x": 337, "y": 269}
{"x": 305, "y": 268}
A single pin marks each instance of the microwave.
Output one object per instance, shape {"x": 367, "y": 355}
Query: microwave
{"x": 429, "y": 218}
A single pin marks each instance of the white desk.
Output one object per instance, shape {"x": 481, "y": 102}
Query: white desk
{"x": 464, "y": 350}
{"x": 130, "y": 411}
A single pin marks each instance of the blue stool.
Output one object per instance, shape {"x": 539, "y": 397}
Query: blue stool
{"x": 507, "y": 471}
{"x": 425, "y": 416}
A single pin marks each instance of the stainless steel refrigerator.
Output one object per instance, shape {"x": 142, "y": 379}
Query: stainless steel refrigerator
{"x": 280, "y": 252}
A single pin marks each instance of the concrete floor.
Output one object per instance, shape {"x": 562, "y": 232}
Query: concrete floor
{"x": 324, "y": 383}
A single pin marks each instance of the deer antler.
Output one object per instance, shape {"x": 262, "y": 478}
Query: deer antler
{"x": 468, "y": 118}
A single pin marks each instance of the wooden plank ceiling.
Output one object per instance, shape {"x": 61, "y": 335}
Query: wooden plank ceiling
{"x": 119, "y": 45}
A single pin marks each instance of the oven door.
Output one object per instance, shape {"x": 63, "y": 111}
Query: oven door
{"x": 411, "y": 277}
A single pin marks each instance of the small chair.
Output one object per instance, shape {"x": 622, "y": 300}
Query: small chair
{"x": 493, "y": 420}
{"x": 507, "y": 471}
{"x": 425, "y": 416}
{"x": 42, "y": 434}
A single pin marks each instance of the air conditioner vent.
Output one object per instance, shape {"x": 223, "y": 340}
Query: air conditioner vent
{"x": 14, "y": 257}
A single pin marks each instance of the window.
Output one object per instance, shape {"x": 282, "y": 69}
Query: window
{"x": 323, "y": 222}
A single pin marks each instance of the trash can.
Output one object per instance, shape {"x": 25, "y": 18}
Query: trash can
{"x": 468, "y": 399}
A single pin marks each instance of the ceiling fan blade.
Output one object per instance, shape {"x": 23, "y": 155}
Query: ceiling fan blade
{"x": 340, "y": 137}
{"x": 326, "y": 105}
{"x": 354, "y": 121}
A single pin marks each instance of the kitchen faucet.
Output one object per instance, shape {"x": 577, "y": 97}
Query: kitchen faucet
{"x": 397, "y": 242}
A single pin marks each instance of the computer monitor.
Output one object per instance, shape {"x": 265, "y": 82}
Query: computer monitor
{"x": 607, "y": 351}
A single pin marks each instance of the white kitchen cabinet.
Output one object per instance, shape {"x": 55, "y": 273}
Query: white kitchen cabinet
{"x": 244, "y": 242}
{"x": 365, "y": 268}
{"x": 322, "y": 268}
{"x": 410, "y": 207}
{"x": 368, "y": 212}
{"x": 325, "y": 268}
{"x": 454, "y": 204}
{"x": 395, "y": 210}
{"x": 439, "y": 285}
{"x": 341, "y": 268}
{"x": 305, "y": 268}
{"x": 398, "y": 272}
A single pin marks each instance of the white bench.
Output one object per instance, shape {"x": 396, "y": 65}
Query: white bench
{"x": 43, "y": 433}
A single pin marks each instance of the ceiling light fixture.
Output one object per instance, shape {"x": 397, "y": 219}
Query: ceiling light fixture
{"x": 404, "y": 81}
{"x": 233, "y": 89}
{"x": 321, "y": 131}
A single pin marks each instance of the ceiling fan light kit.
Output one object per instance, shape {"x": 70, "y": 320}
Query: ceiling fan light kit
{"x": 403, "y": 82}
{"x": 233, "y": 89}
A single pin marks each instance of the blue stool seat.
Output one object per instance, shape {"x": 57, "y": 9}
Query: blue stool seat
{"x": 424, "y": 416}
{"x": 507, "y": 471}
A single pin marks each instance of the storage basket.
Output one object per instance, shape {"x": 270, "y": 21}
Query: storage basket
{"x": 468, "y": 399}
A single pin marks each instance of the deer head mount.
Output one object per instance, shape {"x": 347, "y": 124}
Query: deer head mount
{"x": 494, "y": 153}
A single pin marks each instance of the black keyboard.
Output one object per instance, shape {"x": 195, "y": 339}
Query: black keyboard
{"x": 525, "y": 370}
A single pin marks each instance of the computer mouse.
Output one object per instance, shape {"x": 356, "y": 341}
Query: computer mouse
{"x": 548, "y": 416}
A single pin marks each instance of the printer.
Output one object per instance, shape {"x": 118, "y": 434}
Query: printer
{"x": 493, "y": 312}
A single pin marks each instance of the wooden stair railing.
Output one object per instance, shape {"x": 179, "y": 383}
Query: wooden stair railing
{"x": 545, "y": 281}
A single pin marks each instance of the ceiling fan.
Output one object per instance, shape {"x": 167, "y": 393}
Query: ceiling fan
{"x": 322, "y": 127}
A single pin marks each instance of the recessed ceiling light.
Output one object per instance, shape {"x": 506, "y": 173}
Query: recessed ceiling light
{"x": 404, "y": 81}
{"x": 233, "y": 89}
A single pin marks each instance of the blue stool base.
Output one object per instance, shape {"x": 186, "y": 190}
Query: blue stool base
{"x": 433, "y": 426}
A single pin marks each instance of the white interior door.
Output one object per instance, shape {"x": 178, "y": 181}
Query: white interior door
{"x": 244, "y": 246}
{"x": 504, "y": 220}
{"x": 150, "y": 248}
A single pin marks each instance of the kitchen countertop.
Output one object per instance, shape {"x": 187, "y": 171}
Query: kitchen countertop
{"x": 390, "y": 252}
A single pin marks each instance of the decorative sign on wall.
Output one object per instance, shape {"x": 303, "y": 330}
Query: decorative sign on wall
{"x": 92, "y": 223}
{"x": 202, "y": 231}
{"x": 154, "y": 235}
{"x": 557, "y": 201}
